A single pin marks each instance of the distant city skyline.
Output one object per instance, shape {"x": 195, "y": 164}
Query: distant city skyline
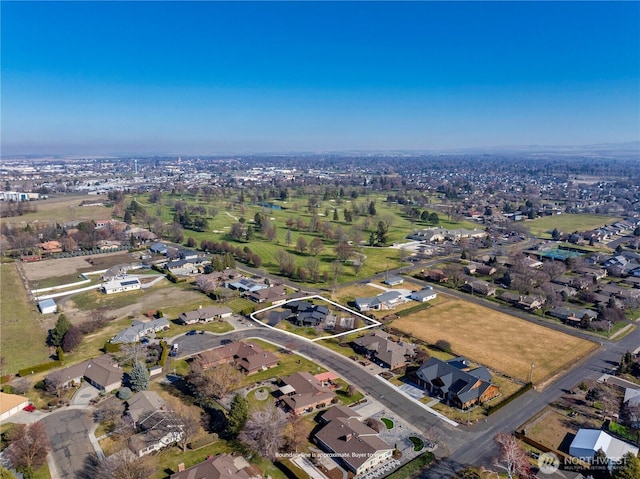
{"x": 206, "y": 78}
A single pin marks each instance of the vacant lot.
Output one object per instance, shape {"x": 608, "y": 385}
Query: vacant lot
{"x": 68, "y": 267}
{"x": 24, "y": 329}
{"x": 62, "y": 209}
{"x": 567, "y": 223}
{"x": 501, "y": 342}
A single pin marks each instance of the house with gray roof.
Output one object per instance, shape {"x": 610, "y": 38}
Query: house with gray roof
{"x": 384, "y": 301}
{"x": 138, "y": 329}
{"x": 456, "y": 382}
{"x": 102, "y": 372}
{"x": 355, "y": 445}
{"x": 205, "y": 315}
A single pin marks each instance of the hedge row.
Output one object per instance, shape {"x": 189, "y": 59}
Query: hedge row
{"x": 495, "y": 407}
{"x": 174, "y": 279}
{"x": 203, "y": 441}
{"x": 38, "y": 368}
{"x": 413, "y": 309}
{"x": 164, "y": 354}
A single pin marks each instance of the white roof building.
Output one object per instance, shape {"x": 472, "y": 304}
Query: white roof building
{"x": 128, "y": 283}
{"x": 588, "y": 441}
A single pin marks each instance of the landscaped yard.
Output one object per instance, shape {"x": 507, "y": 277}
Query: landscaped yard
{"x": 499, "y": 341}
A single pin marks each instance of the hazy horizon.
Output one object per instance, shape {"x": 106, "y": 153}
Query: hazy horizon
{"x": 210, "y": 78}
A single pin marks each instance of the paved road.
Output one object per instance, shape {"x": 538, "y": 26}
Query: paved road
{"x": 70, "y": 445}
{"x": 462, "y": 445}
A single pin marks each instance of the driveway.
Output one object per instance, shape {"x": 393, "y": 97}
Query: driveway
{"x": 84, "y": 395}
{"x": 68, "y": 432}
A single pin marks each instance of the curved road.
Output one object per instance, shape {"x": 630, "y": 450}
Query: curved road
{"x": 462, "y": 444}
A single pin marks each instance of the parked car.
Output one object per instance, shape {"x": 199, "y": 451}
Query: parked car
{"x": 144, "y": 340}
{"x": 29, "y": 407}
{"x": 192, "y": 332}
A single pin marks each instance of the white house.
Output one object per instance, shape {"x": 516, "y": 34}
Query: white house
{"x": 128, "y": 283}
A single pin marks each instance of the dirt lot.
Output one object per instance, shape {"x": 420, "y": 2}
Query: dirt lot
{"x": 80, "y": 264}
{"x": 499, "y": 341}
{"x": 166, "y": 296}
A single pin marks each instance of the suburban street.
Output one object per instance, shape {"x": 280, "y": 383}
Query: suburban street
{"x": 462, "y": 444}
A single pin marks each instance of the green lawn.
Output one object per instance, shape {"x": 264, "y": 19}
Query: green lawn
{"x": 22, "y": 342}
{"x": 378, "y": 259}
{"x": 567, "y": 223}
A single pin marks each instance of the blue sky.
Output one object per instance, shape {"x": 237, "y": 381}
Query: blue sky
{"x": 218, "y": 77}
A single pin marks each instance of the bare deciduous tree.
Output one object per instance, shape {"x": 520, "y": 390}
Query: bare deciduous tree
{"x": 28, "y": 446}
{"x": 189, "y": 419}
{"x": 297, "y": 433}
{"x": 512, "y": 457}
{"x": 121, "y": 465}
{"x": 264, "y": 431}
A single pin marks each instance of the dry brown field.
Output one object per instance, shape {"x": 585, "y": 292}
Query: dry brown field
{"x": 62, "y": 209}
{"x": 49, "y": 268}
{"x": 503, "y": 343}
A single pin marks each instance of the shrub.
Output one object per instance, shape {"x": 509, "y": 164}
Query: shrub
{"x": 164, "y": 353}
{"x": 124, "y": 393}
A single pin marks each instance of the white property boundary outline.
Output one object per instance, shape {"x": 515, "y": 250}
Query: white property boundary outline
{"x": 374, "y": 323}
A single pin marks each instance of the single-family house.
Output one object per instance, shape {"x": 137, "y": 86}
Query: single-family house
{"x": 205, "y": 315}
{"x": 393, "y": 280}
{"x": 246, "y": 285}
{"x": 479, "y": 287}
{"x": 383, "y": 351}
{"x": 120, "y": 285}
{"x": 188, "y": 254}
{"x": 11, "y": 404}
{"x": 222, "y": 466}
{"x": 248, "y": 357}
{"x": 102, "y": 372}
{"x": 156, "y": 430}
{"x": 531, "y": 302}
{"x": 47, "y": 306}
{"x": 274, "y": 294}
{"x": 302, "y": 392}
{"x": 138, "y": 329}
{"x": 384, "y": 301}
{"x": 589, "y": 441}
{"x": 424, "y": 295}
{"x": 51, "y": 247}
{"x": 355, "y": 445}
{"x": 456, "y": 382}
{"x": 158, "y": 248}
{"x": 435, "y": 275}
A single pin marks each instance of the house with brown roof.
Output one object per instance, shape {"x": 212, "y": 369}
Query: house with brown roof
{"x": 355, "y": 445}
{"x": 383, "y": 351}
{"x": 101, "y": 372}
{"x": 222, "y": 466}
{"x": 248, "y": 357}
{"x": 435, "y": 275}
{"x": 302, "y": 392}
{"x": 205, "y": 315}
{"x": 479, "y": 287}
{"x": 274, "y": 294}
{"x": 51, "y": 247}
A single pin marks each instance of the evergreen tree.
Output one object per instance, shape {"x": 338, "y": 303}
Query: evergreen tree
{"x": 599, "y": 469}
{"x": 60, "y": 329}
{"x": 139, "y": 377}
{"x": 434, "y": 219}
{"x": 238, "y": 414}
{"x": 627, "y": 468}
{"x": 127, "y": 217}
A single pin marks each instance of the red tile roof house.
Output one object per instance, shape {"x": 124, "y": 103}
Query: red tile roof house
{"x": 356, "y": 445}
{"x": 248, "y": 357}
{"x": 302, "y": 392}
{"x": 222, "y": 466}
